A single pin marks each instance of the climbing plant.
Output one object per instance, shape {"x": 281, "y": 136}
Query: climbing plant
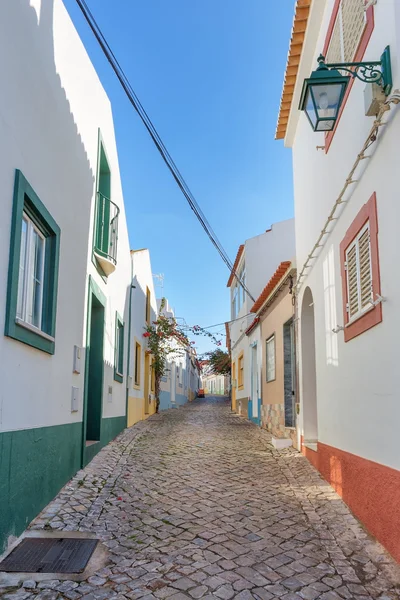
{"x": 167, "y": 339}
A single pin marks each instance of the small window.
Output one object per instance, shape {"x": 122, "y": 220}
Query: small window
{"x": 347, "y": 32}
{"x": 270, "y": 358}
{"x": 138, "y": 353}
{"x": 148, "y": 305}
{"x": 119, "y": 349}
{"x": 241, "y": 370}
{"x": 33, "y": 270}
{"x": 360, "y": 272}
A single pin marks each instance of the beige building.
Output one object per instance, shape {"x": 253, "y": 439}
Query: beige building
{"x": 274, "y": 310}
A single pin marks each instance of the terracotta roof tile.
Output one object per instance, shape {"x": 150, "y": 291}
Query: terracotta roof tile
{"x": 271, "y": 285}
{"x": 300, "y": 21}
{"x": 252, "y": 325}
{"x": 235, "y": 264}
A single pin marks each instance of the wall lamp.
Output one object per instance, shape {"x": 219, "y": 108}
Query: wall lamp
{"x": 324, "y": 90}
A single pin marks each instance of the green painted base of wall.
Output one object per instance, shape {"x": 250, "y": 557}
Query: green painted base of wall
{"x": 36, "y": 463}
{"x": 34, "y": 466}
{"x": 110, "y": 428}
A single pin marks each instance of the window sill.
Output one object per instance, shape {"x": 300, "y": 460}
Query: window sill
{"x": 118, "y": 377}
{"x": 34, "y": 329}
{"x": 136, "y": 386}
{"x": 29, "y": 335}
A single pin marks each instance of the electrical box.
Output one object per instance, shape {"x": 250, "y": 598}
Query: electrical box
{"x": 373, "y": 97}
{"x": 75, "y": 399}
{"x": 77, "y": 359}
{"x": 109, "y": 397}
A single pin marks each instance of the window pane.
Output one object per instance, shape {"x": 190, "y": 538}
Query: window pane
{"x": 270, "y": 358}
{"x": 22, "y": 268}
{"x": 120, "y": 348}
{"x": 37, "y": 287}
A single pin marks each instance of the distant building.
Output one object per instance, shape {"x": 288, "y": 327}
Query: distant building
{"x": 255, "y": 263}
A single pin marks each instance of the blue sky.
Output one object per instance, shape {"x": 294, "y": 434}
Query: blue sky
{"x": 209, "y": 73}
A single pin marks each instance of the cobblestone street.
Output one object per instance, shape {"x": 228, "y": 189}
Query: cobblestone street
{"x": 196, "y": 503}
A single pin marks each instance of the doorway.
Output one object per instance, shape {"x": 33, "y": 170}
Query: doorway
{"x": 289, "y": 374}
{"x": 309, "y": 376}
{"x": 254, "y": 382}
{"x": 94, "y": 366}
{"x": 146, "y": 382}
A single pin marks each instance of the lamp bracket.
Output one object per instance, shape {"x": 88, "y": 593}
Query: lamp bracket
{"x": 378, "y": 71}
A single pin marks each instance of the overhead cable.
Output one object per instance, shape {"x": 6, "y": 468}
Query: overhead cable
{"x": 133, "y": 98}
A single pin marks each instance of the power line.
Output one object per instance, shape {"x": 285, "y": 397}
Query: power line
{"x": 133, "y": 98}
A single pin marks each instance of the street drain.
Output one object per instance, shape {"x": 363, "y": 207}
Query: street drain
{"x": 49, "y": 555}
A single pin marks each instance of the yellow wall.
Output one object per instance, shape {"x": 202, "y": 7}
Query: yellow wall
{"x": 135, "y": 410}
{"x": 272, "y": 323}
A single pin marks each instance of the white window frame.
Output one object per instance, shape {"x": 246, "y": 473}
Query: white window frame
{"x": 29, "y": 269}
{"x": 268, "y": 343}
{"x": 355, "y": 243}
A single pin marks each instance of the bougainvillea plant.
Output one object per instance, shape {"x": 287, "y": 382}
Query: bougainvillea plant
{"x": 167, "y": 339}
{"x": 219, "y": 361}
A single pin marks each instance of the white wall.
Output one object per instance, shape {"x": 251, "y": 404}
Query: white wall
{"x": 357, "y": 386}
{"x": 50, "y": 113}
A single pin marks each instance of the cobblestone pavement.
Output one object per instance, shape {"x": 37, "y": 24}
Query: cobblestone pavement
{"x": 196, "y": 503}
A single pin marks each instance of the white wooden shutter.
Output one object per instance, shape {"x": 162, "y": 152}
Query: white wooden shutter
{"x": 347, "y": 32}
{"x": 359, "y": 274}
{"x": 364, "y": 251}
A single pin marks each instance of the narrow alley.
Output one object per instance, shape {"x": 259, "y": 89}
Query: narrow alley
{"x": 196, "y": 503}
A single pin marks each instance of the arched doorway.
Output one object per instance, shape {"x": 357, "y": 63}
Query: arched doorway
{"x": 309, "y": 378}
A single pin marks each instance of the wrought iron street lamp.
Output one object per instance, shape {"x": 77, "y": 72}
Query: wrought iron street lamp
{"x": 323, "y": 91}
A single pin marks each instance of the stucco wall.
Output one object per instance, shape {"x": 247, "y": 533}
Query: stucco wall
{"x": 51, "y": 111}
{"x": 357, "y": 387}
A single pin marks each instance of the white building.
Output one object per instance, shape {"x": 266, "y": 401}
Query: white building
{"x": 255, "y": 263}
{"x": 141, "y": 400}
{"x": 213, "y": 383}
{"x": 347, "y": 213}
{"x": 64, "y": 261}
{"x": 181, "y": 381}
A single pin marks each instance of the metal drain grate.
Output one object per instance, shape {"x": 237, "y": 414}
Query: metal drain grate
{"x": 49, "y": 555}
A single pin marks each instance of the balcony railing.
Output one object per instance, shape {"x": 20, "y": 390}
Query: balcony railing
{"x": 106, "y": 234}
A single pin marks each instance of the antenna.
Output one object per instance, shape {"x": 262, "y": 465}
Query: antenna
{"x": 160, "y": 278}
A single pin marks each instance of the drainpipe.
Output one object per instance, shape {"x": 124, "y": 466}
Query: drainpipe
{"x": 129, "y": 340}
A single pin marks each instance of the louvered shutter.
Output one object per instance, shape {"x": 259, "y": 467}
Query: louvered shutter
{"x": 359, "y": 274}
{"x": 347, "y": 32}
{"x": 364, "y": 252}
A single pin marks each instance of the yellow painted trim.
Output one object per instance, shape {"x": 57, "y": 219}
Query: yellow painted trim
{"x": 136, "y": 382}
{"x": 240, "y": 371}
{"x": 234, "y": 388}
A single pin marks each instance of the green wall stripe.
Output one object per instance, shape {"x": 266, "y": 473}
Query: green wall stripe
{"x": 36, "y": 463}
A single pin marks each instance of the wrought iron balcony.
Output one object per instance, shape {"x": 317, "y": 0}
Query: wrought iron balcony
{"x": 106, "y": 233}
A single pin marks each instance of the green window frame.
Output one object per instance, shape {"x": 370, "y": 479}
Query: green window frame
{"x": 119, "y": 349}
{"x": 27, "y": 207}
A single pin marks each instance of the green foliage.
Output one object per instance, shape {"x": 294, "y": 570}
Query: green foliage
{"x": 220, "y": 362}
